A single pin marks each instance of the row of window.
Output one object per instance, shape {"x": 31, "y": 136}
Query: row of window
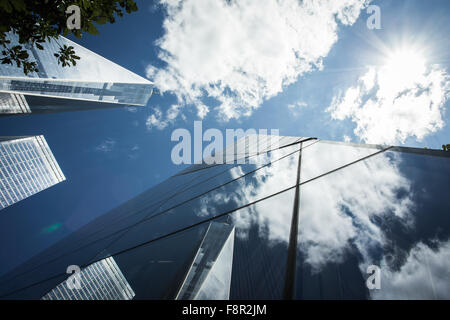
{"x": 23, "y": 170}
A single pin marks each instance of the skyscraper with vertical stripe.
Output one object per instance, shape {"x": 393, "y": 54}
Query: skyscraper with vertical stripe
{"x": 102, "y": 280}
{"x": 27, "y": 166}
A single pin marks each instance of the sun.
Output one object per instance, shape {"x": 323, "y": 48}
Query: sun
{"x": 405, "y": 61}
{"x": 404, "y": 67}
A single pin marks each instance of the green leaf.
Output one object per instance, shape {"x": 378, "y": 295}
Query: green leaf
{"x": 6, "y": 6}
{"x": 37, "y": 21}
{"x": 102, "y": 20}
{"x": 19, "y": 5}
{"x": 97, "y": 12}
{"x": 92, "y": 29}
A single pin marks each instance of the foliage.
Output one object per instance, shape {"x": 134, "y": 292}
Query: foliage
{"x": 37, "y": 21}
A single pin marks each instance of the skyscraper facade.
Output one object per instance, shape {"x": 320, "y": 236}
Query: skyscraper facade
{"x": 209, "y": 276}
{"x": 93, "y": 83}
{"x": 102, "y": 280}
{"x": 27, "y": 166}
{"x": 306, "y": 219}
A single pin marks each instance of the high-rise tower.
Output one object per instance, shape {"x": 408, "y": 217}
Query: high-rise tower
{"x": 27, "y": 166}
{"x": 93, "y": 83}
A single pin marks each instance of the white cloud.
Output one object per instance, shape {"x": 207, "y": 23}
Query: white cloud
{"x": 133, "y": 153}
{"x": 155, "y": 120}
{"x": 295, "y": 108}
{"x": 159, "y": 120}
{"x": 244, "y": 52}
{"x": 392, "y": 103}
{"x": 106, "y": 146}
{"x": 131, "y": 109}
{"x": 327, "y": 229}
{"x": 424, "y": 275}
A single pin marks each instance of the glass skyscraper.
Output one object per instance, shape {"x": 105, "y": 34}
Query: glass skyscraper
{"x": 94, "y": 82}
{"x": 301, "y": 219}
{"x": 209, "y": 276}
{"x": 27, "y": 166}
{"x": 102, "y": 280}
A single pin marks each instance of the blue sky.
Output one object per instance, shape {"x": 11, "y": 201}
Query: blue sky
{"x": 233, "y": 67}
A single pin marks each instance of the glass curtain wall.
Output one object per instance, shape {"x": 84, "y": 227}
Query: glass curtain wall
{"x": 307, "y": 219}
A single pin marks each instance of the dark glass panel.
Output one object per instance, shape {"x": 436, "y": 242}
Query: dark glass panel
{"x": 260, "y": 248}
{"x": 271, "y": 179}
{"x": 89, "y": 242}
{"x": 40, "y": 270}
{"x": 157, "y": 270}
{"x": 390, "y": 211}
{"x": 33, "y": 290}
{"x": 118, "y": 219}
{"x": 228, "y": 173}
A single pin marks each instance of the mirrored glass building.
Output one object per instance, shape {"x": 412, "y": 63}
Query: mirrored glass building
{"x": 102, "y": 280}
{"x": 306, "y": 219}
{"x": 93, "y": 83}
{"x": 209, "y": 277}
{"x": 27, "y": 166}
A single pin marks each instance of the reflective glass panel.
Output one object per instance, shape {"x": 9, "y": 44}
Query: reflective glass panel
{"x": 325, "y": 156}
{"x": 269, "y": 180}
{"x": 378, "y": 229}
{"x": 172, "y": 267}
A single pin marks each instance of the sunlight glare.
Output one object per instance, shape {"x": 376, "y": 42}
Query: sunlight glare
{"x": 403, "y": 68}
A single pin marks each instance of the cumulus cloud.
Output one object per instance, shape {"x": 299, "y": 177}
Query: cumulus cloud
{"x": 160, "y": 120}
{"x": 106, "y": 146}
{"x": 373, "y": 188}
{"x": 392, "y": 103}
{"x": 241, "y": 53}
{"x": 425, "y": 275}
